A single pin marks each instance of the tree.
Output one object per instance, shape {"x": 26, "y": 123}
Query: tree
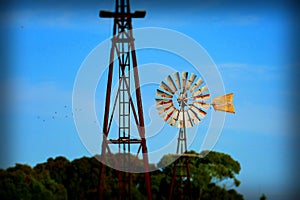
{"x": 22, "y": 182}
{"x": 212, "y": 177}
{"x": 263, "y": 197}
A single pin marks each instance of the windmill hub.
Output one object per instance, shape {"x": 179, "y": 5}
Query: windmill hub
{"x": 182, "y": 100}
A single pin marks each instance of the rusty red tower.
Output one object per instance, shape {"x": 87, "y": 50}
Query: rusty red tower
{"x": 123, "y": 50}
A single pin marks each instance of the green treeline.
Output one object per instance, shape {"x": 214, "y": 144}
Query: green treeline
{"x": 212, "y": 177}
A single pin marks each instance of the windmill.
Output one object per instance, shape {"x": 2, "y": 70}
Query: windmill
{"x": 182, "y": 101}
{"x": 123, "y": 49}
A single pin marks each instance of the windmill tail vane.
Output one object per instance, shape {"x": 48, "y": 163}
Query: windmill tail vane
{"x": 224, "y": 103}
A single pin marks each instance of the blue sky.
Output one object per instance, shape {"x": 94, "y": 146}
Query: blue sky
{"x": 250, "y": 44}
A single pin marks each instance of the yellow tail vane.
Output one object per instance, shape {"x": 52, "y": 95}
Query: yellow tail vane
{"x": 225, "y": 108}
{"x": 225, "y": 99}
{"x": 224, "y": 103}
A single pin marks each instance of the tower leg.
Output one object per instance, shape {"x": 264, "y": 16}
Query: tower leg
{"x": 105, "y": 124}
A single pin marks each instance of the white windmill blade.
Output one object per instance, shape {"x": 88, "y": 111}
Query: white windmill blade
{"x": 167, "y": 106}
{"x": 180, "y": 122}
{"x": 173, "y": 118}
{"x": 202, "y": 98}
{"x": 196, "y": 85}
{"x": 169, "y": 113}
{"x": 190, "y": 81}
{"x": 163, "y": 94}
{"x": 201, "y": 91}
{"x": 184, "y": 120}
{"x": 184, "y": 76}
{"x": 176, "y": 115}
{"x": 194, "y": 117}
{"x": 162, "y": 110}
{"x": 177, "y": 80}
{"x": 172, "y": 121}
{"x": 165, "y": 87}
{"x": 187, "y": 120}
{"x": 171, "y": 83}
{"x": 198, "y": 111}
{"x": 201, "y": 105}
{"x": 160, "y": 102}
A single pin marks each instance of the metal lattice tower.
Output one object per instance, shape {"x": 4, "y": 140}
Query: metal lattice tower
{"x": 181, "y": 179}
{"x": 124, "y": 49}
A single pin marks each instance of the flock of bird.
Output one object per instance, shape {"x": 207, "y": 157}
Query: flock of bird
{"x": 64, "y": 114}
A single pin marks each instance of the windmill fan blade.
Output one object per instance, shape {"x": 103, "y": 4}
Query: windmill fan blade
{"x": 176, "y": 115}
{"x": 198, "y": 111}
{"x": 194, "y": 117}
{"x": 180, "y": 122}
{"x": 167, "y": 106}
{"x": 173, "y": 118}
{"x": 177, "y": 80}
{"x": 160, "y": 110}
{"x": 196, "y": 85}
{"x": 201, "y": 91}
{"x": 187, "y": 120}
{"x": 171, "y": 83}
{"x": 190, "y": 81}
{"x": 184, "y": 120}
{"x": 169, "y": 113}
{"x": 160, "y": 102}
{"x": 225, "y": 99}
{"x": 202, "y": 105}
{"x": 162, "y": 94}
{"x": 205, "y": 97}
{"x": 172, "y": 122}
{"x": 164, "y": 86}
{"x": 184, "y": 79}
{"x": 163, "y": 110}
{"x": 225, "y": 108}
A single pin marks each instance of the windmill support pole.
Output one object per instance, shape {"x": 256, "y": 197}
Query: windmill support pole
{"x": 141, "y": 127}
{"x": 179, "y": 164}
{"x": 105, "y": 124}
{"x": 173, "y": 181}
